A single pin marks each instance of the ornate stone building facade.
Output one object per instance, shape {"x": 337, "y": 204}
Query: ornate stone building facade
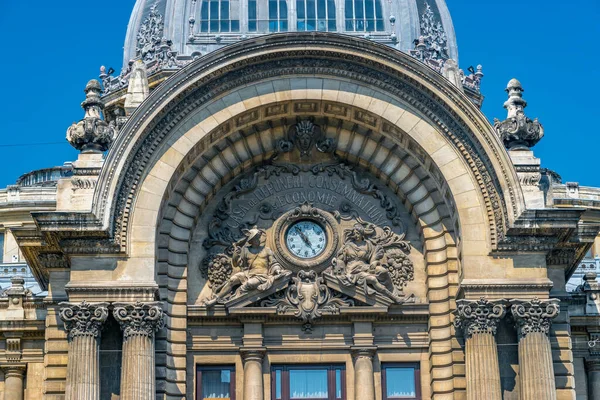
{"x": 259, "y": 214}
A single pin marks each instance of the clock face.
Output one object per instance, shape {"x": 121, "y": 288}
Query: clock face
{"x": 306, "y": 239}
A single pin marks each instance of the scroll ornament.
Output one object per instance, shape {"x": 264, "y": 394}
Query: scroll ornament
{"x": 479, "y": 316}
{"x": 84, "y": 319}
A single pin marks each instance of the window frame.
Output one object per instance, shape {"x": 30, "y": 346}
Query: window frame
{"x": 417, "y": 378}
{"x": 285, "y": 380}
{"x": 207, "y": 367}
{"x": 205, "y": 25}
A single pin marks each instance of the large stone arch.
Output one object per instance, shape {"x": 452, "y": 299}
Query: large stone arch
{"x": 441, "y": 158}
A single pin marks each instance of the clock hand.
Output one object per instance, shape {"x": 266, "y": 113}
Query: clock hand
{"x": 304, "y": 237}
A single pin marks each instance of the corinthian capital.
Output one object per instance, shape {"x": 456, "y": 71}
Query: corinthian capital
{"x": 534, "y": 315}
{"x": 139, "y": 318}
{"x": 84, "y": 319}
{"x": 479, "y": 316}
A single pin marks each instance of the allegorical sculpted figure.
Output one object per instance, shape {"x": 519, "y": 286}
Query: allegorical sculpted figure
{"x": 256, "y": 265}
{"x": 360, "y": 262}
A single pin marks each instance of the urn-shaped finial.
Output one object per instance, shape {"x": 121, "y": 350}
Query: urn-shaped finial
{"x": 92, "y": 134}
{"x": 517, "y": 131}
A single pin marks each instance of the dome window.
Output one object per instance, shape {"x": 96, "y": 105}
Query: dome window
{"x": 316, "y": 15}
{"x": 219, "y": 16}
{"x": 275, "y": 21}
{"x": 364, "y": 16}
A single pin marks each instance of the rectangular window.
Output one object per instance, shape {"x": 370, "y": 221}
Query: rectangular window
{"x": 314, "y": 382}
{"x": 401, "y": 381}
{"x": 215, "y": 383}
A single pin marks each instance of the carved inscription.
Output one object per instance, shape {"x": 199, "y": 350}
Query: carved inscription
{"x": 278, "y": 194}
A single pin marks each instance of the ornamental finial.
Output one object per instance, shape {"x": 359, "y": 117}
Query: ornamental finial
{"x": 517, "y": 131}
{"x": 92, "y": 134}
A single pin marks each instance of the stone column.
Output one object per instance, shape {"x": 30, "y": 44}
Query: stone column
{"x": 139, "y": 322}
{"x": 13, "y": 381}
{"x": 536, "y": 370}
{"x": 592, "y": 367}
{"x": 83, "y": 322}
{"x": 479, "y": 321}
{"x": 364, "y": 380}
{"x": 253, "y": 373}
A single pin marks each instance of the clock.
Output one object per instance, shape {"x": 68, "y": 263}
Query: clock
{"x": 306, "y": 239}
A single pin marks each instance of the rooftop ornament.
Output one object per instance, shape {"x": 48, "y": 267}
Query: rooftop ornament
{"x": 92, "y": 134}
{"x": 517, "y": 131}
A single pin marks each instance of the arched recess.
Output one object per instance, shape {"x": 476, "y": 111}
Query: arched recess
{"x": 459, "y": 165}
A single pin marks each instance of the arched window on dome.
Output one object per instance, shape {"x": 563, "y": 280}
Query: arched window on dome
{"x": 278, "y": 16}
{"x": 364, "y": 16}
{"x": 315, "y": 15}
{"x": 219, "y": 16}
{"x": 275, "y": 21}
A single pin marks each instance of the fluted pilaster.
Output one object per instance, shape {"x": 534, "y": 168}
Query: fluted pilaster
{"x": 253, "y": 373}
{"x": 13, "y": 381}
{"x": 533, "y": 319}
{"x": 139, "y": 322}
{"x": 364, "y": 380}
{"x": 83, "y": 322}
{"x": 479, "y": 321}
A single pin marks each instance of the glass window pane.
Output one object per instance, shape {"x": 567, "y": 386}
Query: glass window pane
{"x": 204, "y": 11}
{"x": 235, "y": 26}
{"x": 369, "y": 11}
{"x": 273, "y": 9}
{"x": 310, "y": 9}
{"x": 278, "y": 384}
{"x": 300, "y": 9}
{"x": 282, "y": 9}
{"x": 283, "y": 26}
{"x": 224, "y": 9}
{"x": 251, "y": 9}
{"x": 321, "y": 9}
{"x": 378, "y": 12}
{"x": 214, "y": 10}
{"x": 331, "y": 9}
{"x": 332, "y": 25}
{"x": 338, "y": 384}
{"x": 214, "y": 25}
{"x": 379, "y": 24}
{"x": 348, "y": 9}
{"x": 308, "y": 384}
{"x": 224, "y": 26}
{"x": 400, "y": 382}
{"x": 358, "y": 9}
{"x": 215, "y": 384}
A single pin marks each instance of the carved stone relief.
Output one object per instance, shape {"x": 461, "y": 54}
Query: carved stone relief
{"x": 305, "y": 235}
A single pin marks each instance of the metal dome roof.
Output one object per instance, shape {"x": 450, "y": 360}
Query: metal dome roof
{"x": 180, "y": 30}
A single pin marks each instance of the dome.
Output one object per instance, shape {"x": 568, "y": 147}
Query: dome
{"x": 192, "y": 28}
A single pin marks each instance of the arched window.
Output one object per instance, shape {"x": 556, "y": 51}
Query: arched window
{"x": 275, "y": 21}
{"x": 364, "y": 16}
{"x": 278, "y": 16}
{"x": 219, "y": 16}
{"x": 315, "y": 15}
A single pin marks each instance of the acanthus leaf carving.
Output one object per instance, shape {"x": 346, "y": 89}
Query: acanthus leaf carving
{"x": 83, "y": 319}
{"x": 479, "y": 316}
{"x": 139, "y": 319}
{"x": 534, "y": 316}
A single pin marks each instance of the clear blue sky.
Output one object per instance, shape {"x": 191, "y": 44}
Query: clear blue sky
{"x": 52, "y": 48}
